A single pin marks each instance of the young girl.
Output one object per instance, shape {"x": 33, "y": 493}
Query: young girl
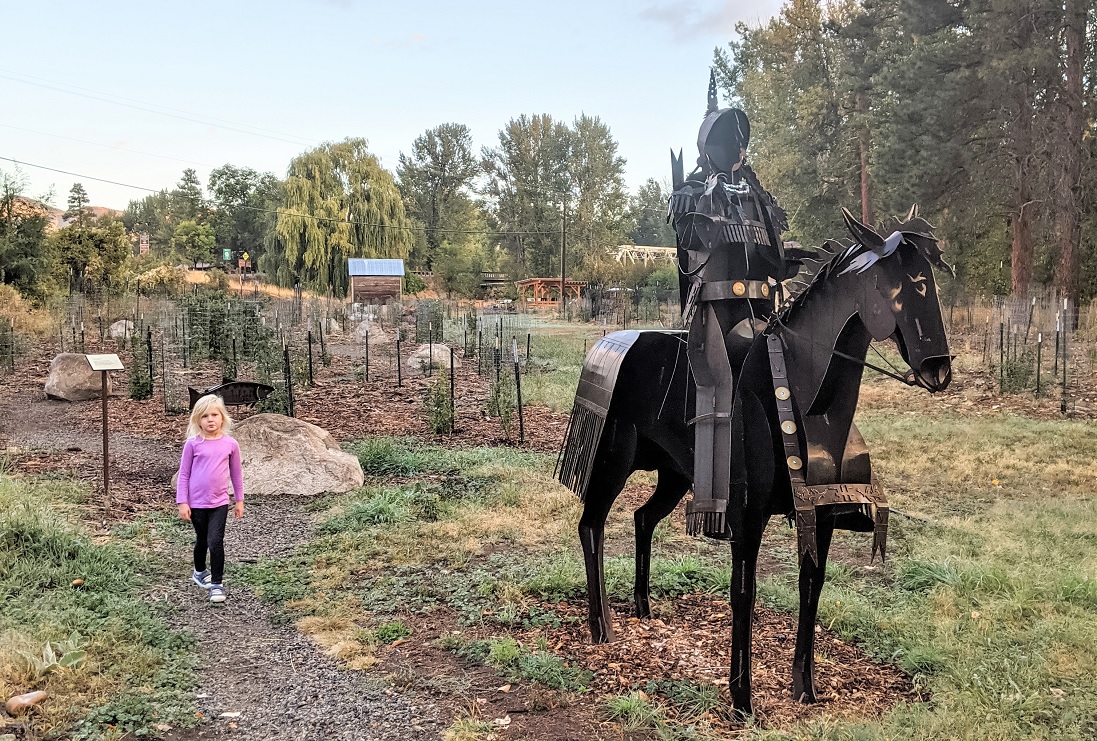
{"x": 210, "y": 459}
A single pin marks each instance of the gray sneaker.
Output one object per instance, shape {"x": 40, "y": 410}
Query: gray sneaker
{"x": 201, "y": 578}
{"x": 216, "y": 594}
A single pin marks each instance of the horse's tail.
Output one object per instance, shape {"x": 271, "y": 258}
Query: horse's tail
{"x": 579, "y": 446}
{"x": 575, "y": 461}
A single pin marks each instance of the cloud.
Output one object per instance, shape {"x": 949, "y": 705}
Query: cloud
{"x": 688, "y": 21}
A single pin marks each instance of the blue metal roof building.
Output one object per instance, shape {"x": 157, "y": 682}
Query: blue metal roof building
{"x": 359, "y": 266}
{"x": 375, "y": 280}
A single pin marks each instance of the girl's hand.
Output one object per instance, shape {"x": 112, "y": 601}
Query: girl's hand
{"x": 238, "y": 510}
{"x": 184, "y": 512}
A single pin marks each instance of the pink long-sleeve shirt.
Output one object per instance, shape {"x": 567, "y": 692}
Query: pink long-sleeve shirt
{"x": 205, "y": 471}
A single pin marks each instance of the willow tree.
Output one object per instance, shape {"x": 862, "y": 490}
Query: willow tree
{"x": 338, "y": 203}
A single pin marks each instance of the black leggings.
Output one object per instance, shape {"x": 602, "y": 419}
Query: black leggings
{"x": 209, "y": 527}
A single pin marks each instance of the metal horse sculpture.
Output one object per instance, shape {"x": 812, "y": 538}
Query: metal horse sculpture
{"x": 794, "y": 449}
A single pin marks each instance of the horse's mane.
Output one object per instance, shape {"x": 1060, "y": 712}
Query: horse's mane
{"x": 840, "y": 254}
{"x": 832, "y": 255}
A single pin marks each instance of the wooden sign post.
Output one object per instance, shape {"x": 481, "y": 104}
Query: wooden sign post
{"x": 105, "y": 364}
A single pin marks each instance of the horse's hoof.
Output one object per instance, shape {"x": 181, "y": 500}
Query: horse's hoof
{"x": 741, "y": 714}
{"x": 597, "y": 637}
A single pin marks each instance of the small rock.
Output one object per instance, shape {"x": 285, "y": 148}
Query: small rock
{"x": 230, "y": 714}
{"x": 22, "y": 703}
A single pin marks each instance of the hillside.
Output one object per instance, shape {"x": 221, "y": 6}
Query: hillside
{"x": 55, "y": 216}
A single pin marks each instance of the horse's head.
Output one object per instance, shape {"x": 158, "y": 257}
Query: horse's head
{"x": 901, "y": 297}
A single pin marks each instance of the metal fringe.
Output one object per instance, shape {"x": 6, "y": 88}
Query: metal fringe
{"x": 581, "y": 439}
{"x": 712, "y": 524}
{"x": 742, "y": 233}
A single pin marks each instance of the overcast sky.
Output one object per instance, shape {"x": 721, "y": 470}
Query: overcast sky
{"x": 134, "y": 92}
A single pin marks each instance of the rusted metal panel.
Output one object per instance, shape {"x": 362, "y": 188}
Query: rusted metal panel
{"x": 234, "y": 393}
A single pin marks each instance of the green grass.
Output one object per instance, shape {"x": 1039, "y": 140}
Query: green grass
{"x": 554, "y": 370}
{"x": 633, "y": 711}
{"x": 136, "y": 673}
{"x": 391, "y": 631}
{"x": 518, "y": 662}
{"x": 396, "y": 456}
{"x": 990, "y": 606}
{"x": 989, "y": 599}
{"x": 563, "y": 577}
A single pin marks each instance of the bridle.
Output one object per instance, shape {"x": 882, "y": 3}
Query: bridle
{"x": 907, "y": 378}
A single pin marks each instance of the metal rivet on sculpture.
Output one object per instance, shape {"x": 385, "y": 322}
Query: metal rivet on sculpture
{"x": 751, "y": 407}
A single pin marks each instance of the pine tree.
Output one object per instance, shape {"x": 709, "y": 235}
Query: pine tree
{"x": 78, "y": 202}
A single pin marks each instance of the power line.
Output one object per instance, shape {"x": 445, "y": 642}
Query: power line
{"x": 151, "y": 108}
{"x": 282, "y": 212}
{"x": 108, "y": 146}
{"x": 168, "y": 111}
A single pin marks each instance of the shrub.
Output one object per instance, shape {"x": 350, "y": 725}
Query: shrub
{"x": 140, "y": 383}
{"x": 439, "y": 410}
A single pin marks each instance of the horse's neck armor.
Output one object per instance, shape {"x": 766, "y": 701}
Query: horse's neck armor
{"x": 867, "y": 496}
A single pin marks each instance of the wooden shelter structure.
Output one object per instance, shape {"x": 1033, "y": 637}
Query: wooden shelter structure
{"x": 632, "y": 254}
{"x": 375, "y": 280}
{"x": 546, "y": 291}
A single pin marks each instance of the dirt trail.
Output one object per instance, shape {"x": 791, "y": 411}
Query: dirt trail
{"x": 256, "y": 680}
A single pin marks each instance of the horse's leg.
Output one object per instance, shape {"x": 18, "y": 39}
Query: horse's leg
{"x": 812, "y": 576}
{"x": 670, "y": 489}
{"x": 611, "y": 471}
{"x": 744, "y": 554}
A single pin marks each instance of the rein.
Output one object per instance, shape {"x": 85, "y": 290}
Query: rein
{"x": 838, "y": 353}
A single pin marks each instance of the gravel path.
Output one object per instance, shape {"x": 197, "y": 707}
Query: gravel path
{"x": 256, "y": 680}
{"x": 272, "y": 676}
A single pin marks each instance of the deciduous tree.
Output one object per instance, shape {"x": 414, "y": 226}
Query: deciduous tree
{"x": 194, "y": 242}
{"x": 436, "y": 181}
{"x": 96, "y": 255}
{"x": 526, "y": 189}
{"x": 24, "y": 250}
{"x": 243, "y": 209}
{"x": 648, "y": 216}
{"x": 338, "y": 202}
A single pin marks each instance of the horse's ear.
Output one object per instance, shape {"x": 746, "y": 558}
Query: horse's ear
{"x": 931, "y": 250}
{"x": 912, "y": 214}
{"x": 862, "y": 234}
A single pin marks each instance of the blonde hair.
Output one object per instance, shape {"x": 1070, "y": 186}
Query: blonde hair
{"x": 204, "y": 405}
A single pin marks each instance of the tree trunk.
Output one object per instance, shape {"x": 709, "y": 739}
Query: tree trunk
{"x": 864, "y": 140}
{"x": 1068, "y": 196}
{"x": 1021, "y": 235}
{"x": 1021, "y": 140}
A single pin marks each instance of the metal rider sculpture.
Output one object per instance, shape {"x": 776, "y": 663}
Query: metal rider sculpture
{"x": 752, "y": 408}
{"x": 794, "y": 449}
{"x": 731, "y": 264}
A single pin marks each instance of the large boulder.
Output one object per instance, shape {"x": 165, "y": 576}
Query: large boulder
{"x": 373, "y": 331}
{"x": 121, "y": 329}
{"x": 283, "y": 455}
{"x": 436, "y": 355}
{"x": 332, "y": 327}
{"x": 72, "y": 379}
